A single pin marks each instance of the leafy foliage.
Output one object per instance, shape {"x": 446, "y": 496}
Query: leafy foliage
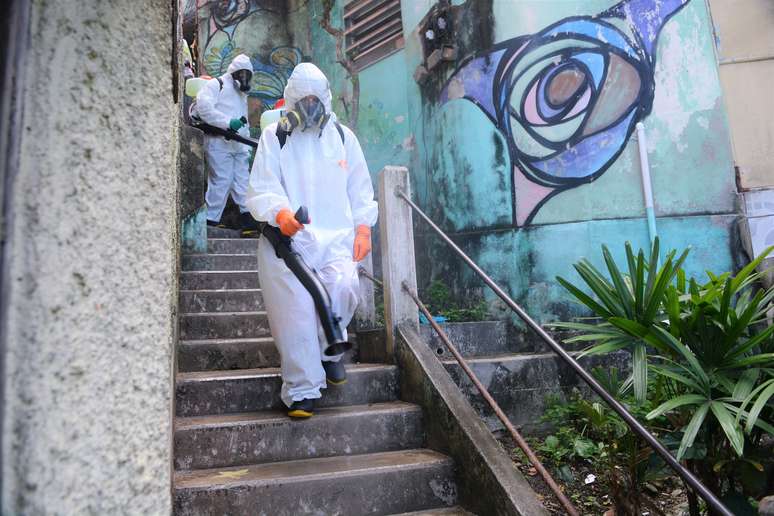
{"x": 709, "y": 345}
{"x": 588, "y": 430}
{"x": 441, "y": 302}
{"x": 629, "y": 305}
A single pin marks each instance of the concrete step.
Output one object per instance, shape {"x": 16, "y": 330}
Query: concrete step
{"x": 529, "y": 342}
{"x": 224, "y": 325}
{"x": 213, "y": 232}
{"x": 261, "y": 437}
{"x": 444, "y": 511}
{"x": 520, "y": 383}
{"x": 218, "y": 280}
{"x": 235, "y": 300}
{"x": 219, "y": 262}
{"x": 225, "y": 354}
{"x": 472, "y": 339}
{"x": 253, "y": 390}
{"x": 228, "y": 354}
{"x": 232, "y": 245}
{"x": 378, "y": 483}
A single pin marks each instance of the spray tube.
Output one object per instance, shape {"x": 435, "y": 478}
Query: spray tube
{"x": 311, "y": 282}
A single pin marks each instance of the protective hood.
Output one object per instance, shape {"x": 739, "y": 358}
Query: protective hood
{"x": 240, "y": 62}
{"x": 306, "y": 80}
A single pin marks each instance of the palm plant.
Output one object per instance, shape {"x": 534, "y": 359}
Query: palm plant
{"x": 708, "y": 343}
{"x": 628, "y": 305}
{"x": 716, "y": 355}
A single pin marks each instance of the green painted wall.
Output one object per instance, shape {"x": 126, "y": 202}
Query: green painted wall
{"x": 527, "y": 194}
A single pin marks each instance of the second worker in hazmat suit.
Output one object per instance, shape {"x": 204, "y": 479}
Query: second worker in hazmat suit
{"x": 308, "y": 159}
{"x": 222, "y": 102}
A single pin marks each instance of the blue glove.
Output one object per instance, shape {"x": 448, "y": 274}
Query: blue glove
{"x": 235, "y": 124}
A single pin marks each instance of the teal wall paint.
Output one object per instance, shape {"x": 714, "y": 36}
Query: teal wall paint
{"x": 526, "y": 261}
{"x": 463, "y": 174}
{"x": 384, "y": 124}
{"x": 194, "y": 232}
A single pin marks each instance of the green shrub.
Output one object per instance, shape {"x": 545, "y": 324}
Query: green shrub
{"x": 589, "y": 431}
{"x": 440, "y": 301}
{"x": 709, "y": 346}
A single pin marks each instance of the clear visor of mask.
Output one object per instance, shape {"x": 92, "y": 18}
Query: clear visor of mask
{"x": 312, "y": 111}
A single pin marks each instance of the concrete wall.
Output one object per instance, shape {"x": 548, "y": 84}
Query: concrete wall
{"x": 745, "y": 43}
{"x": 527, "y": 188}
{"x": 91, "y": 251}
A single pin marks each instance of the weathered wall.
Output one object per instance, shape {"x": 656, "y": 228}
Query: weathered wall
{"x": 524, "y": 146}
{"x": 745, "y": 43}
{"x": 745, "y": 52}
{"x": 92, "y": 252}
{"x": 257, "y": 28}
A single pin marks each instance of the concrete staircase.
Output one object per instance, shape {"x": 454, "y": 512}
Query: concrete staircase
{"x": 235, "y": 451}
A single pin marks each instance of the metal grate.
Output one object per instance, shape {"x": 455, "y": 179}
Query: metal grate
{"x": 373, "y": 30}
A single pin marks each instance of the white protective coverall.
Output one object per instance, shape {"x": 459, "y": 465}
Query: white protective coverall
{"x": 331, "y": 179}
{"x": 227, "y": 161}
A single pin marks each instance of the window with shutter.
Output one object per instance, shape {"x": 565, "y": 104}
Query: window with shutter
{"x": 373, "y": 30}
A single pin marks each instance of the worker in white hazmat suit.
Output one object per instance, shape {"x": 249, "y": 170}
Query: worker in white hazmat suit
{"x": 308, "y": 159}
{"x": 222, "y": 102}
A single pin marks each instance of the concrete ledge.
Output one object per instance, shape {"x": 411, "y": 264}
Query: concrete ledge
{"x": 488, "y": 481}
{"x": 520, "y": 383}
{"x": 472, "y": 339}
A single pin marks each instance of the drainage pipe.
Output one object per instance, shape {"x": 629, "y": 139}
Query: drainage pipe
{"x": 647, "y": 189}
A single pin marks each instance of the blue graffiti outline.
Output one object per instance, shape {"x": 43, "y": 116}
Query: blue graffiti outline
{"x": 640, "y": 54}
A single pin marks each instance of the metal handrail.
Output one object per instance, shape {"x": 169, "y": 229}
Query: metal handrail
{"x": 569, "y": 507}
{"x": 630, "y": 420}
{"x": 517, "y": 437}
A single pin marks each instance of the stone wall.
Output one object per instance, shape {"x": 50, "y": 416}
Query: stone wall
{"x": 92, "y": 264}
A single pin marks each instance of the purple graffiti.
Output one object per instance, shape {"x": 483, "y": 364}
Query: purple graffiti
{"x": 567, "y": 99}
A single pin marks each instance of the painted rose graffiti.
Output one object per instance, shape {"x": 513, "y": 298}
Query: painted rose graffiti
{"x": 567, "y": 98}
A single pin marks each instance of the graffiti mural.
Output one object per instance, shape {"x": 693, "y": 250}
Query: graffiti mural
{"x": 233, "y": 27}
{"x": 567, "y": 98}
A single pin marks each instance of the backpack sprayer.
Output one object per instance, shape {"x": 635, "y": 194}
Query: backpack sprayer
{"x": 311, "y": 282}
{"x": 228, "y": 134}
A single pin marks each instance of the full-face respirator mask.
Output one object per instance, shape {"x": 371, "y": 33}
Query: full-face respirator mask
{"x": 309, "y": 113}
{"x": 242, "y": 80}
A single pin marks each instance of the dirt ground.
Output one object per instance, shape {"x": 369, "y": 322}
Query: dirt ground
{"x": 592, "y": 498}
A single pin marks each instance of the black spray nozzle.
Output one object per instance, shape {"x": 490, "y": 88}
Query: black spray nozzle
{"x": 302, "y": 215}
{"x": 243, "y": 119}
{"x": 337, "y": 348}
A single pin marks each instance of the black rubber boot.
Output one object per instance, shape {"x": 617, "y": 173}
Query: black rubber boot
{"x": 335, "y": 372}
{"x": 301, "y": 409}
{"x": 215, "y": 224}
{"x": 249, "y": 225}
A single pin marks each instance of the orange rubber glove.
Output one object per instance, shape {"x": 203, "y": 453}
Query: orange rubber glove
{"x": 287, "y": 223}
{"x": 362, "y": 242}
